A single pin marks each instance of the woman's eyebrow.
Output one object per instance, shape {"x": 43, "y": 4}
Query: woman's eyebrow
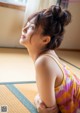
{"x": 32, "y": 23}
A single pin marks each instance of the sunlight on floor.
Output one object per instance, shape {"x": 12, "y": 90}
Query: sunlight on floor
{"x": 16, "y": 65}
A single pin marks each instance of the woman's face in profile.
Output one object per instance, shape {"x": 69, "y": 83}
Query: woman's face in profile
{"x": 27, "y": 32}
{"x": 31, "y": 35}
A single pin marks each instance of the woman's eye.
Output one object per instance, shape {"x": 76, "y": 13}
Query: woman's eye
{"x": 32, "y": 27}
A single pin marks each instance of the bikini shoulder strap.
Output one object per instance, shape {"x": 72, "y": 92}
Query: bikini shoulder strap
{"x": 58, "y": 63}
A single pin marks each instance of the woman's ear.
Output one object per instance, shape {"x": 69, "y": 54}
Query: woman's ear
{"x": 46, "y": 39}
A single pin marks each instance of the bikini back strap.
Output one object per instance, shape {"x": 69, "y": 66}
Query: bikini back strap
{"x": 58, "y": 63}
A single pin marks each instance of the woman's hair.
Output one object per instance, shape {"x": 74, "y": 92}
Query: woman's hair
{"x": 52, "y": 20}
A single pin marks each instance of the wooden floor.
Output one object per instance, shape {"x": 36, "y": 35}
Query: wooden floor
{"x": 16, "y": 65}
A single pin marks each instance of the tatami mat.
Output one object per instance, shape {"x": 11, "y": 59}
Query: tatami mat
{"x": 17, "y": 66}
{"x": 7, "y": 98}
{"x": 28, "y": 90}
{"x": 72, "y": 57}
{"x": 72, "y": 68}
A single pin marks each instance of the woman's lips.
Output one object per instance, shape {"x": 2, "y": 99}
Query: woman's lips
{"x": 22, "y": 36}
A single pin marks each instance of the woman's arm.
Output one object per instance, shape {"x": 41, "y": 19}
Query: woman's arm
{"x": 45, "y": 78}
{"x": 41, "y": 107}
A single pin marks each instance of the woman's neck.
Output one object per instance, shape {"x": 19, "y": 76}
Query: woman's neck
{"x": 34, "y": 54}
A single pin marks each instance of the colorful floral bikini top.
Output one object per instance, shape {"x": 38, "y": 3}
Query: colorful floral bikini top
{"x": 68, "y": 93}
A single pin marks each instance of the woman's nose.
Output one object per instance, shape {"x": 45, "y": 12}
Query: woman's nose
{"x": 24, "y": 30}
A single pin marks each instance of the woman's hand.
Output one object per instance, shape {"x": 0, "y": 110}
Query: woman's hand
{"x": 41, "y": 107}
{"x": 38, "y": 102}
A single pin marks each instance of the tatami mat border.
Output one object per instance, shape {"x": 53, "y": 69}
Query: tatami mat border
{"x": 69, "y": 63}
{"x": 21, "y": 82}
{"x": 22, "y": 98}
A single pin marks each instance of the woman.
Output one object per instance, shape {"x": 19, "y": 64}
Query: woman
{"x": 59, "y": 90}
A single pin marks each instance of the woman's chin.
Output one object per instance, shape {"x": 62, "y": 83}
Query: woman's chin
{"x": 21, "y": 41}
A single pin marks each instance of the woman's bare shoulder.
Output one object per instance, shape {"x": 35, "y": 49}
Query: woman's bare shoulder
{"x": 41, "y": 60}
{"x": 44, "y": 60}
{"x": 44, "y": 64}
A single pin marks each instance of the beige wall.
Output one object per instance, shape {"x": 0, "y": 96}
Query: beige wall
{"x": 72, "y": 35}
{"x": 11, "y": 22}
